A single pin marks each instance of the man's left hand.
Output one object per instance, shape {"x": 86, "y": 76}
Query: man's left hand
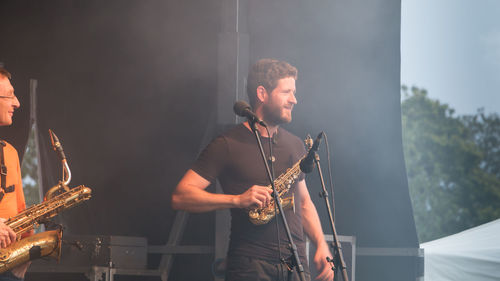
{"x": 324, "y": 268}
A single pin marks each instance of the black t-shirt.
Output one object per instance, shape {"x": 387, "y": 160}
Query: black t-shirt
{"x": 235, "y": 160}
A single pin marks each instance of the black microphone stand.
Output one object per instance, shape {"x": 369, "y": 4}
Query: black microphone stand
{"x": 338, "y": 257}
{"x": 295, "y": 258}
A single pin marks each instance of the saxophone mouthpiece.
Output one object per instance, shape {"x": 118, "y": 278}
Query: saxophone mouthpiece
{"x": 53, "y": 139}
{"x": 56, "y": 145}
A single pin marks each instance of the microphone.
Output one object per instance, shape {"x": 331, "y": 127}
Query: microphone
{"x": 307, "y": 163}
{"x": 57, "y": 145}
{"x": 243, "y": 109}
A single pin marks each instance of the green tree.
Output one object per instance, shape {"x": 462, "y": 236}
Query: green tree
{"x": 450, "y": 179}
{"x": 486, "y": 134}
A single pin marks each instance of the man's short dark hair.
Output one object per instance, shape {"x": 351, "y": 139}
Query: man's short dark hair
{"x": 5, "y": 73}
{"x": 266, "y": 73}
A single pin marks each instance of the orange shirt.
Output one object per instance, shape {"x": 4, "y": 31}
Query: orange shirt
{"x": 12, "y": 202}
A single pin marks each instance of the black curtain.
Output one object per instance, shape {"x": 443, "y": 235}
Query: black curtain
{"x": 130, "y": 88}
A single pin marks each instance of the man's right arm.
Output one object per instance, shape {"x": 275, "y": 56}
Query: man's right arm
{"x": 190, "y": 195}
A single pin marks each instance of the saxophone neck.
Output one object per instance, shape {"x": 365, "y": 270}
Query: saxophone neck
{"x": 66, "y": 174}
{"x": 57, "y": 146}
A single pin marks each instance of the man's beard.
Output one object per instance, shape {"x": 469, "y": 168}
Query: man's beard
{"x": 273, "y": 116}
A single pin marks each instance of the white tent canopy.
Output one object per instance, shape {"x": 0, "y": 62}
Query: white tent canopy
{"x": 471, "y": 255}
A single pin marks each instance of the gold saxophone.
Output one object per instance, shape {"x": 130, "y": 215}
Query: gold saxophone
{"x": 46, "y": 243}
{"x": 283, "y": 184}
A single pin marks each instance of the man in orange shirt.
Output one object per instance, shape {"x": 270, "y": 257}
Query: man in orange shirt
{"x": 11, "y": 189}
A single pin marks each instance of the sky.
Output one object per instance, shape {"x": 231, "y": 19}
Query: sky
{"x": 451, "y": 48}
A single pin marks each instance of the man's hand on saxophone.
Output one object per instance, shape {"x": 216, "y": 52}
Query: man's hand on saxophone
{"x": 7, "y": 235}
{"x": 257, "y": 196}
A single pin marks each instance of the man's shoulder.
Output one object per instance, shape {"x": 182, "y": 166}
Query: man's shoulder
{"x": 228, "y": 135}
{"x": 7, "y": 146}
{"x": 234, "y": 132}
{"x": 10, "y": 155}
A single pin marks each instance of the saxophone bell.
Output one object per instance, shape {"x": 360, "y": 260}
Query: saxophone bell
{"x": 43, "y": 244}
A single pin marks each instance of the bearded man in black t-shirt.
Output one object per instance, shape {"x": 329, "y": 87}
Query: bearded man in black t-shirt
{"x": 256, "y": 252}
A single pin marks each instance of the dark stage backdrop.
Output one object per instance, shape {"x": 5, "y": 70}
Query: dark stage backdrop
{"x": 130, "y": 89}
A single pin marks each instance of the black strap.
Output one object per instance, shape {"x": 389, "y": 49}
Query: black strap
{"x": 3, "y": 168}
{"x": 3, "y": 172}
{"x": 10, "y": 189}
{"x": 35, "y": 252}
